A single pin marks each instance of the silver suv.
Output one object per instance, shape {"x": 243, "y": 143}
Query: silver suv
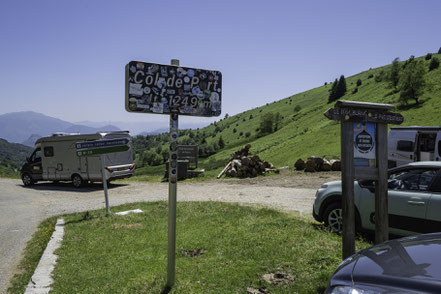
{"x": 414, "y": 198}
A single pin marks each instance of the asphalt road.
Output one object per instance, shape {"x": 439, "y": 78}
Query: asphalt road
{"x": 22, "y": 208}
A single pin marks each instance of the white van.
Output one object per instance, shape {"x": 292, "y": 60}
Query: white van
{"x": 408, "y": 144}
{"x": 55, "y": 159}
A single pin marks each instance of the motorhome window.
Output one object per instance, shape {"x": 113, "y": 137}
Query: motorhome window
{"x": 48, "y": 151}
{"x": 36, "y": 156}
{"x": 406, "y": 146}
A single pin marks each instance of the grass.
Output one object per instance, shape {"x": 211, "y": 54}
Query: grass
{"x": 128, "y": 254}
{"x": 34, "y": 250}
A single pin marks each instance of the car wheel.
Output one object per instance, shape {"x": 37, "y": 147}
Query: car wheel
{"x": 77, "y": 181}
{"x": 333, "y": 217}
{"x": 27, "y": 180}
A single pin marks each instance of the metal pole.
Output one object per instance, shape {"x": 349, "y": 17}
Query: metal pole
{"x": 172, "y": 193}
{"x": 348, "y": 208}
{"x": 103, "y": 173}
{"x": 381, "y": 205}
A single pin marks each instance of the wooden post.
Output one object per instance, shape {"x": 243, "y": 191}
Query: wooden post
{"x": 347, "y": 161}
{"x": 381, "y": 201}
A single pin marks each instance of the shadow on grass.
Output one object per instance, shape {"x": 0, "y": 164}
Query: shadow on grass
{"x": 166, "y": 290}
{"x": 67, "y": 187}
{"x": 412, "y": 105}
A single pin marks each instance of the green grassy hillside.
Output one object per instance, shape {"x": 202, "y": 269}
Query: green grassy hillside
{"x": 308, "y": 132}
{"x": 12, "y": 156}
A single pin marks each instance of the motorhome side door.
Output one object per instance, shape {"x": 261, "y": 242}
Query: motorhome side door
{"x": 402, "y": 146}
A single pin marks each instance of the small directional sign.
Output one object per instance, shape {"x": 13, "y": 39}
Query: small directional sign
{"x": 101, "y": 143}
{"x": 99, "y": 151}
{"x": 355, "y": 115}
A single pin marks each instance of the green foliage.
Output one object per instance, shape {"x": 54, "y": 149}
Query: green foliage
{"x": 380, "y": 76}
{"x": 355, "y": 90}
{"x": 221, "y": 143}
{"x": 266, "y": 124}
{"x": 394, "y": 73}
{"x": 439, "y": 51}
{"x": 412, "y": 82}
{"x": 12, "y": 157}
{"x": 434, "y": 64}
{"x": 359, "y": 82}
{"x": 428, "y": 56}
{"x": 338, "y": 89}
{"x": 297, "y": 108}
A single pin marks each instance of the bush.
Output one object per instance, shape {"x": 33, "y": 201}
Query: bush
{"x": 439, "y": 51}
{"x": 370, "y": 76}
{"x": 379, "y": 77}
{"x": 297, "y": 108}
{"x": 251, "y": 116}
{"x": 428, "y": 56}
{"x": 434, "y": 64}
{"x": 355, "y": 91}
{"x": 247, "y": 134}
{"x": 234, "y": 130}
{"x": 358, "y": 82}
{"x": 241, "y": 134}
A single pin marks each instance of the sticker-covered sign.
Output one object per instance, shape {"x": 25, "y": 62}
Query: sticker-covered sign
{"x": 166, "y": 89}
{"x": 364, "y": 144}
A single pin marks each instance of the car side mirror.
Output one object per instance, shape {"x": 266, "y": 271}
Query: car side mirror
{"x": 367, "y": 184}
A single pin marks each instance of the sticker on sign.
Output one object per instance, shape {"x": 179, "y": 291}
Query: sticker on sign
{"x": 166, "y": 89}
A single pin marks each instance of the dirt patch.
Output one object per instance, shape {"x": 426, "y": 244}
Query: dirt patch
{"x": 127, "y": 226}
{"x": 277, "y": 278}
{"x": 289, "y": 179}
{"x": 193, "y": 253}
{"x": 260, "y": 290}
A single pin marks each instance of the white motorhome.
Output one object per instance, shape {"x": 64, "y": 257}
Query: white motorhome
{"x": 408, "y": 144}
{"x": 55, "y": 159}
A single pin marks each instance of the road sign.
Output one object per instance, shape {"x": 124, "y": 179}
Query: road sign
{"x": 350, "y": 114}
{"x": 105, "y": 150}
{"x": 167, "y": 89}
{"x": 101, "y": 143}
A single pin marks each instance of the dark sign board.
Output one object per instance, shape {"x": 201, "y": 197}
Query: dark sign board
{"x": 351, "y": 114}
{"x": 101, "y": 143}
{"x": 189, "y": 152}
{"x": 166, "y": 89}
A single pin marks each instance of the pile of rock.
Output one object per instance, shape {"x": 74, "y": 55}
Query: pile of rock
{"x": 245, "y": 165}
{"x": 314, "y": 164}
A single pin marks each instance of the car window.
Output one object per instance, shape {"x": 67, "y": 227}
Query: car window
{"x": 411, "y": 180}
{"x": 36, "y": 157}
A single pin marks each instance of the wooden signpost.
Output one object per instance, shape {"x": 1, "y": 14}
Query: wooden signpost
{"x": 363, "y": 157}
{"x": 172, "y": 90}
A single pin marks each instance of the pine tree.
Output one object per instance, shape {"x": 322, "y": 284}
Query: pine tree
{"x": 221, "y": 143}
{"x": 333, "y": 94}
{"x": 394, "y": 74}
{"x": 341, "y": 87}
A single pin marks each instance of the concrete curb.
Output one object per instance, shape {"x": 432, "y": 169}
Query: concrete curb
{"x": 41, "y": 280}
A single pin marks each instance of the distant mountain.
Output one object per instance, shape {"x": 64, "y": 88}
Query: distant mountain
{"x": 86, "y": 129}
{"x": 22, "y": 127}
{"x": 12, "y": 156}
{"x": 31, "y": 140}
{"x": 155, "y": 132}
{"x": 19, "y": 126}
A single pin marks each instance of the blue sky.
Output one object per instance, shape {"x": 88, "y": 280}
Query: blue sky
{"x": 66, "y": 58}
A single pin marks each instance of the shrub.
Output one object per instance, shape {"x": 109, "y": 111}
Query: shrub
{"x": 355, "y": 91}
{"x": 241, "y": 134}
{"x": 428, "y": 56}
{"x": 251, "y": 116}
{"x": 297, "y": 108}
{"x": 247, "y": 134}
{"x": 358, "y": 82}
{"x": 370, "y": 76}
{"x": 379, "y": 77}
{"x": 439, "y": 51}
{"x": 234, "y": 130}
{"x": 434, "y": 64}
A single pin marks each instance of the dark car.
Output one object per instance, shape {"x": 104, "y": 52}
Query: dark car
{"x": 406, "y": 265}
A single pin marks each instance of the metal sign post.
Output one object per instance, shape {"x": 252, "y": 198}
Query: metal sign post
{"x": 172, "y": 195}
{"x": 102, "y": 147}
{"x": 369, "y": 162}
{"x": 172, "y": 90}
